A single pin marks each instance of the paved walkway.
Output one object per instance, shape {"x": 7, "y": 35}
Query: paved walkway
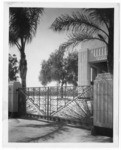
{"x": 23, "y": 130}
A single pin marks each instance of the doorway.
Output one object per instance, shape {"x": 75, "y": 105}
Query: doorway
{"x": 93, "y": 73}
{"x": 97, "y": 68}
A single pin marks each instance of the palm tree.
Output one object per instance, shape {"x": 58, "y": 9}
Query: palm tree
{"x": 22, "y": 27}
{"x": 89, "y": 24}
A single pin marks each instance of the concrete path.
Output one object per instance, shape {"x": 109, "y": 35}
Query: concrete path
{"x": 23, "y": 130}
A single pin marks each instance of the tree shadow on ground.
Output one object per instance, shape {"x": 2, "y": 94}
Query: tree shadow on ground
{"x": 40, "y": 126}
{"x": 59, "y": 128}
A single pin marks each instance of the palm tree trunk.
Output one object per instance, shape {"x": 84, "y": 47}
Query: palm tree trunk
{"x": 23, "y": 69}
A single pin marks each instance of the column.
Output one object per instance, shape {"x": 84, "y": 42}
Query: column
{"x": 84, "y": 70}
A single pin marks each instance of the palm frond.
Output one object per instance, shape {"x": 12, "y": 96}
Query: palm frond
{"x": 77, "y": 38}
{"x": 102, "y": 37}
{"x": 96, "y": 14}
{"x": 103, "y": 15}
{"x": 33, "y": 18}
{"x": 23, "y": 23}
{"x": 77, "y": 22}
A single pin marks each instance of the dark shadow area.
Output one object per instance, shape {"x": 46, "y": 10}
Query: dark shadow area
{"x": 40, "y": 126}
{"x": 54, "y": 121}
{"x": 102, "y": 131}
{"x": 49, "y": 135}
{"x": 13, "y": 115}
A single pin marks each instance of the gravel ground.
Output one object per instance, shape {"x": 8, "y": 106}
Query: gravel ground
{"x": 26, "y": 130}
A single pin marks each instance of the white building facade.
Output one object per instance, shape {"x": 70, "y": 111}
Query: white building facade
{"x": 92, "y": 59}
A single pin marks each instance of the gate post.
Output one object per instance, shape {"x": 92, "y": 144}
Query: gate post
{"x": 13, "y": 98}
{"x": 103, "y": 104}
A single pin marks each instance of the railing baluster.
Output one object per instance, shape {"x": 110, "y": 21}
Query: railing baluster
{"x": 28, "y": 92}
{"x": 48, "y": 102}
{"x": 73, "y": 92}
{"x": 65, "y": 95}
{"x": 57, "y": 98}
{"x": 50, "y": 107}
{"x": 39, "y": 97}
{"x": 45, "y": 99}
{"x": 33, "y": 92}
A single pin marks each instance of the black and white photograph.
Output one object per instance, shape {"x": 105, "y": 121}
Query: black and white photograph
{"x": 61, "y": 71}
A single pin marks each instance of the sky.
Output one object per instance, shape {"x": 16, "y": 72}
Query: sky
{"x": 43, "y": 44}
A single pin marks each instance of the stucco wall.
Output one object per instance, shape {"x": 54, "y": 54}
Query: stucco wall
{"x": 84, "y": 70}
{"x": 91, "y": 45}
